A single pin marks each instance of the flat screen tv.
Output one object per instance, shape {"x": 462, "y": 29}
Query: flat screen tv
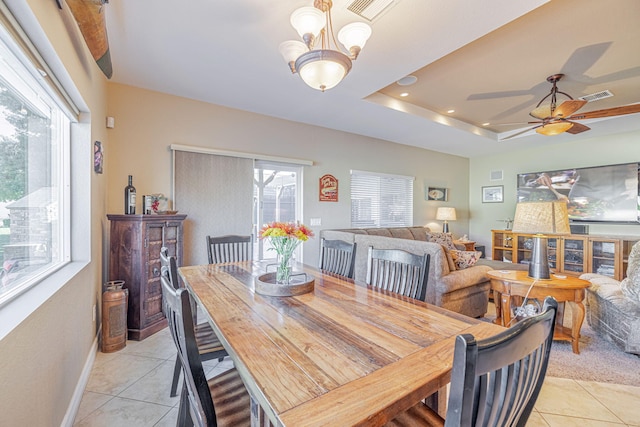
{"x": 594, "y": 194}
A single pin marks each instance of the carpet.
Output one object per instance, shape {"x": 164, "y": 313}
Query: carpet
{"x": 599, "y": 360}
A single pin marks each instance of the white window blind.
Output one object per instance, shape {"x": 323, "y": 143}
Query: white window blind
{"x": 381, "y": 200}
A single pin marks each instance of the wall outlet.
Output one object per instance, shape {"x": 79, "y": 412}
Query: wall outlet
{"x": 315, "y": 221}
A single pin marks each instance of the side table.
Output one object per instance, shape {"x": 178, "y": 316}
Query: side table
{"x": 509, "y": 283}
{"x": 468, "y": 244}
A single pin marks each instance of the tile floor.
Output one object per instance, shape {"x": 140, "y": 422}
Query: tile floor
{"x": 131, "y": 388}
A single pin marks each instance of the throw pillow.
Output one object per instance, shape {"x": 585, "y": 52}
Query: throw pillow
{"x": 449, "y": 257}
{"x": 631, "y": 284}
{"x": 465, "y": 259}
{"x": 442, "y": 238}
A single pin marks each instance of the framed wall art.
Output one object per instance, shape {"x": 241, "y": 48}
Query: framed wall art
{"x": 437, "y": 194}
{"x": 493, "y": 194}
{"x": 97, "y": 157}
{"x": 328, "y": 190}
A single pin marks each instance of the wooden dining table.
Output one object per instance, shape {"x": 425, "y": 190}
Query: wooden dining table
{"x": 344, "y": 354}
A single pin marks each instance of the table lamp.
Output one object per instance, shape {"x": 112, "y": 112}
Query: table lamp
{"x": 540, "y": 218}
{"x": 446, "y": 214}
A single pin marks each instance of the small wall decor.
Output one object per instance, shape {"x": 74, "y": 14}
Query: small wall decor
{"x": 436, "y": 193}
{"x": 328, "y": 188}
{"x": 97, "y": 157}
{"x": 493, "y": 194}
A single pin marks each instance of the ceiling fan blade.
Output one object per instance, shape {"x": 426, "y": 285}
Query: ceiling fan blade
{"x": 577, "y": 128}
{"x": 567, "y": 108}
{"x": 520, "y": 133}
{"x": 607, "y": 112}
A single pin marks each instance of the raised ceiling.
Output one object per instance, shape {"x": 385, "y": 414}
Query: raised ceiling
{"x": 489, "y": 63}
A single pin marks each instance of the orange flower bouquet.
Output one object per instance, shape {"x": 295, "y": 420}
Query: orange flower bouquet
{"x": 285, "y": 238}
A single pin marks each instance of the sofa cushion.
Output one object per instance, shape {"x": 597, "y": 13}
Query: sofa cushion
{"x": 631, "y": 284}
{"x": 443, "y": 239}
{"x": 464, "y": 259}
{"x": 379, "y": 232}
{"x": 401, "y": 233}
{"x": 419, "y": 233}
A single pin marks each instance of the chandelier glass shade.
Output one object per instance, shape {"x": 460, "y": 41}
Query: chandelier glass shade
{"x": 325, "y": 66}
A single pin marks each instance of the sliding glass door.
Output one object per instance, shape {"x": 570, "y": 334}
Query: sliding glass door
{"x": 277, "y": 197}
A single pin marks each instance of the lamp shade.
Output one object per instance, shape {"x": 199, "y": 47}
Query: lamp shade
{"x": 355, "y": 34}
{"x": 554, "y": 128}
{"x": 291, "y": 50}
{"x": 446, "y": 214}
{"x": 541, "y": 217}
{"x": 308, "y": 20}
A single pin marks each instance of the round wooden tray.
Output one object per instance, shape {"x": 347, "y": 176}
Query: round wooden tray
{"x": 301, "y": 284}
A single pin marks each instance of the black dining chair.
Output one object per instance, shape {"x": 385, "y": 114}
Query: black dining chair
{"x": 495, "y": 381}
{"x": 208, "y": 343}
{"x": 398, "y": 271}
{"x": 337, "y": 257}
{"x": 229, "y": 248}
{"x": 220, "y": 401}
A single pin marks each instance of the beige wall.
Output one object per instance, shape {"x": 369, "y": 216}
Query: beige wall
{"x": 614, "y": 149}
{"x": 147, "y": 123}
{"x": 41, "y": 360}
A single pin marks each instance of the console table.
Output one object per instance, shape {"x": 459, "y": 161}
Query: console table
{"x": 509, "y": 283}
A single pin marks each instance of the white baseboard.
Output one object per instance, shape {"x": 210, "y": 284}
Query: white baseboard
{"x": 74, "y": 404}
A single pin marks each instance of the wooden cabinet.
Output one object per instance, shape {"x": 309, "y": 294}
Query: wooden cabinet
{"x": 572, "y": 254}
{"x": 134, "y": 256}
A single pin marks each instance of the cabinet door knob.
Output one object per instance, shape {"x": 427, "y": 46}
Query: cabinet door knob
{"x": 156, "y": 272}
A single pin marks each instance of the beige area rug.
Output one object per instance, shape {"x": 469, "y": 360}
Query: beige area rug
{"x": 599, "y": 360}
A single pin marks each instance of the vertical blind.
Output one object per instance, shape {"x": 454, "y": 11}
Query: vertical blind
{"x": 216, "y": 193}
{"x": 381, "y": 200}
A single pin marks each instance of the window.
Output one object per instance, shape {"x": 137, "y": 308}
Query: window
{"x": 381, "y": 200}
{"x": 34, "y": 173}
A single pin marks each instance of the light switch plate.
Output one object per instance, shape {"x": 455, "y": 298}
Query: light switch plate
{"x": 315, "y": 221}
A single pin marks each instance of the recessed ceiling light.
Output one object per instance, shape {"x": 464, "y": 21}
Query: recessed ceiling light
{"x": 408, "y": 80}
{"x": 403, "y": 94}
{"x": 486, "y": 124}
{"x": 451, "y": 111}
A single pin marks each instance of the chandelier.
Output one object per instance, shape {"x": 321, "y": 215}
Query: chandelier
{"x": 324, "y": 67}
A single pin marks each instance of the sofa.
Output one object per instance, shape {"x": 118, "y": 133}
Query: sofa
{"x": 613, "y": 307}
{"x": 465, "y": 291}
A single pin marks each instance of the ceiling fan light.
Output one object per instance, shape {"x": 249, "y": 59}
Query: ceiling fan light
{"x": 308, "y": 20}
{"x": 354, "y": 35}
{"x": 323, "y": 69}
{"x": 541, "y": 112}
{"x": 554, "y": 128}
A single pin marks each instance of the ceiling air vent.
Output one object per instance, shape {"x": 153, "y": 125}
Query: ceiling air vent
{"x": 597, "y": 96}
{"x": 369, "y": 9}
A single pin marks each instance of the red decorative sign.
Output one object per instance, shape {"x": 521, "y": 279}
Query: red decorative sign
{"x": 328, "y": 189}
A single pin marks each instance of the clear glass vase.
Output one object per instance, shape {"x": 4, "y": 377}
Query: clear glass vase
{"x": 283, "y": 272}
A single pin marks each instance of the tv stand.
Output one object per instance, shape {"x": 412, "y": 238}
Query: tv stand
{"x": 572, "y": 254}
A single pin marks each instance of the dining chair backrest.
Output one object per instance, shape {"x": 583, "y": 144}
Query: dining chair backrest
{"x": 398, "y": 271}
{"x": 496, "y": 381}
{"x": 230, "y": 248}
{"x": 338, "y": 257}
{"x": 177, "y": 308}
{"x": 172, "y": 270}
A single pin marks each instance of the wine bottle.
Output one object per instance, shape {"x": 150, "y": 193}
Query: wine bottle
{"x": 130, "y": 198}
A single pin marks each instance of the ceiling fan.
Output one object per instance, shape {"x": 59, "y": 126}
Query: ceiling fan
{"x": 555, "y": 119}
